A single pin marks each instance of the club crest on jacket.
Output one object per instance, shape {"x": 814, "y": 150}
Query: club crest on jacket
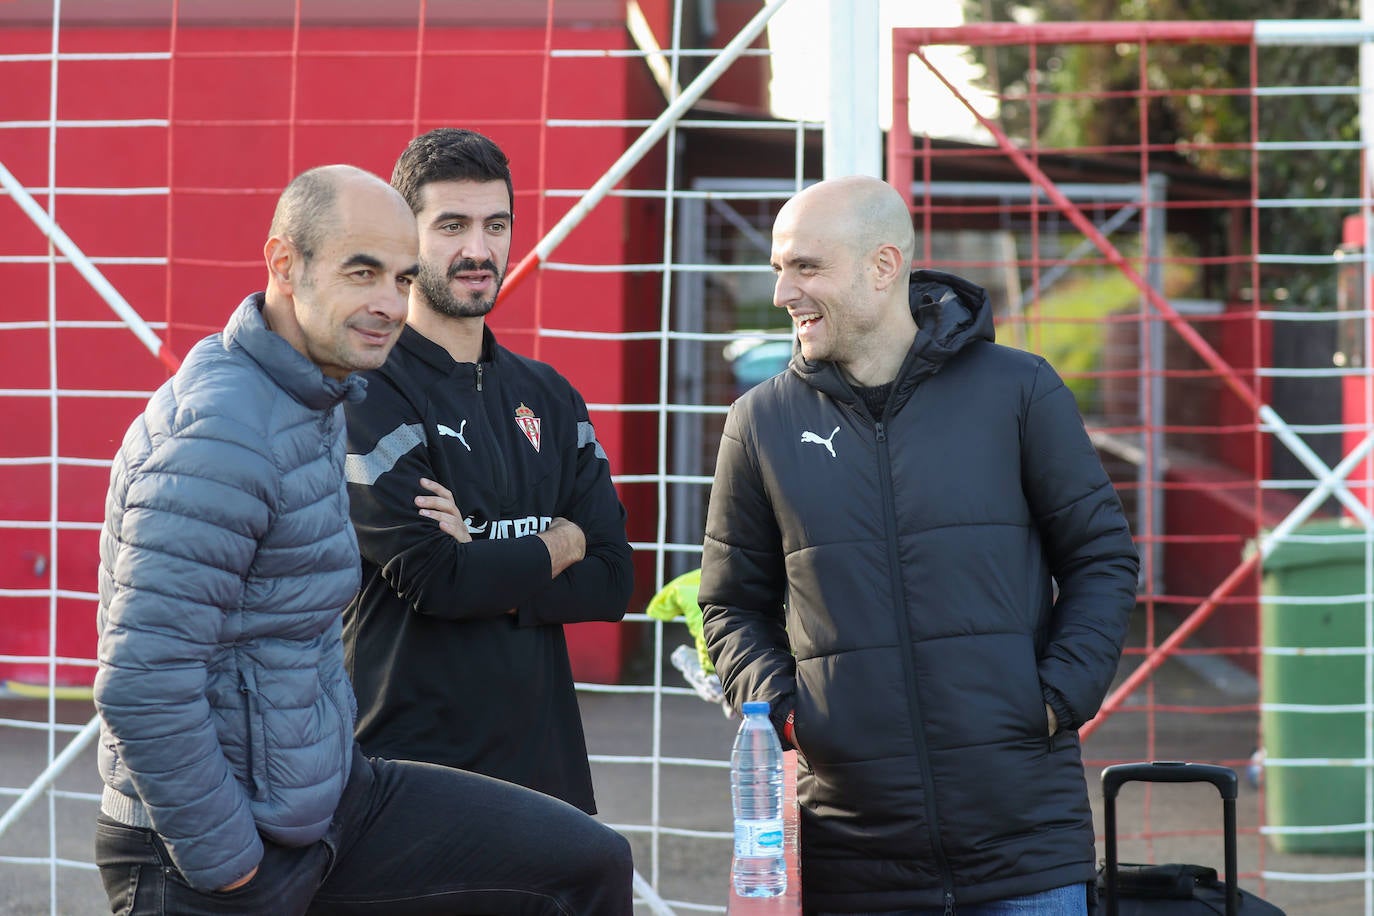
{"x": 528, "y": 423}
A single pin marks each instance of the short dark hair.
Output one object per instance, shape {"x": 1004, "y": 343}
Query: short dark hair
{"x": 449, "y": 154}
{"x": 305, "y": 209}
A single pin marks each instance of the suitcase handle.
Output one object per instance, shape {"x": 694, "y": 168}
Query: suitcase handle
{"x": 1223, "y": 778}
{"x": 1114, "y": 777}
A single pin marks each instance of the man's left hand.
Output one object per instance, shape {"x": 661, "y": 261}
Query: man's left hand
{"x": 1054, "y": 720}
{"x": 443, "y": 510}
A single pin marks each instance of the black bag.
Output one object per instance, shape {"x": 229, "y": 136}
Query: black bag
{"x": 1143, "y": 890}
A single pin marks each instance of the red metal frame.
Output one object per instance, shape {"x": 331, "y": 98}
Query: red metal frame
{"x": 912, "y": 42}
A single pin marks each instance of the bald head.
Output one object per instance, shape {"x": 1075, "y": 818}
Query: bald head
{"x": 340, "y": 261}
{"x": 861, "y": 212}
{"x": 307, "y": 211}
{"x": 842, "y": 254}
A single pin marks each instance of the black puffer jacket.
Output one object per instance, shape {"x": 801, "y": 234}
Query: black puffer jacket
{"x": 892, "y": 583}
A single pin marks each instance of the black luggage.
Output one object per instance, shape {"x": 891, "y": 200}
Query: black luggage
{"x": 1146, "y": 890}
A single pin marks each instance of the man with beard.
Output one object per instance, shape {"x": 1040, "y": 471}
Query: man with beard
{"x": 484, "y": 508}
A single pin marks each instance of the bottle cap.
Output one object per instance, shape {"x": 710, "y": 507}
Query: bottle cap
{"x": 755, "y": 707}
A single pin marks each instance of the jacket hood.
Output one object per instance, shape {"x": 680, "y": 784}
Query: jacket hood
{"x": 951, "y": 313}
{"x": 292, "y": 371}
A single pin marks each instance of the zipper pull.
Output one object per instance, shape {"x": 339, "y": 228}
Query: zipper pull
{"x": 882, "y": 431}
{"x": 479, "y": 376}
{"x": 949, "y": 903}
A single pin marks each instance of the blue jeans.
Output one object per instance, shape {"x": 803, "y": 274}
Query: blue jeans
{"x": 1069, "y": 900}
{"x": 407, "y": 838}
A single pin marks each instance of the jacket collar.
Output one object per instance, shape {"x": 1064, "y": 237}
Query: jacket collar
{"x": 951, "y": 313}
{"x": 292, "y": 371}
{"x": 436, "y": 356}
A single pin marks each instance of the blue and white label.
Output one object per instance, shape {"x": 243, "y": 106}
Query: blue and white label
{"x": 758, "y": 838}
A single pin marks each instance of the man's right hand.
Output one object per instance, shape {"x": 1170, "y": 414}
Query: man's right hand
{"x": 566, "y": 544}
{"x": 239, "y": 883}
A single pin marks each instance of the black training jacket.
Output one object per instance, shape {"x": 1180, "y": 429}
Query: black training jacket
{"x": 442, "y": 672}
{"x": 898, "y": 595}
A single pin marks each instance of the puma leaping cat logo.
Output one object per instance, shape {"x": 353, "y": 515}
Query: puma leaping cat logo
{"x": 809, "y": 436}
{"x": 449, "y": 431}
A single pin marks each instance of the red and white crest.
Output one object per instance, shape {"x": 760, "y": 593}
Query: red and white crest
{"x": 528, "y": 423}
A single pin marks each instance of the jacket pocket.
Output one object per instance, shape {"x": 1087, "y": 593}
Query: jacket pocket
{"x": 256, "y": 739}
{"x": 345, "y": 711}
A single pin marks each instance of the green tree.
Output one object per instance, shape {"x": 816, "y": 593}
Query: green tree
{"x": 1197, "y": 109}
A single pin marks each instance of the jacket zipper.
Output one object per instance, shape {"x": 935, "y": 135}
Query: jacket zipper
{"x": 500, "y": 474}
{"x": 904, "y": 633}
{"x": 256, "y": 739}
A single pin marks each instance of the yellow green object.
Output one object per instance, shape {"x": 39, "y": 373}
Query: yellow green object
{"x": 679, "y": 599}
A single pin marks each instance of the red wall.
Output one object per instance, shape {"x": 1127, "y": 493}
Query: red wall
{"x": 246, "y": 116}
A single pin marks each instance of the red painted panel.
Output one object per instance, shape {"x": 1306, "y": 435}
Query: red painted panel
{"x": 23, "y": 361}
{"x": 19, "y": 235}
{"x": 106, "y": 90}
{"x": 78, "y": 552}
{"x": 101, "y": 359}
{"x": 81, "y": 493}
{"x": 27, "y": 419}
{"x": 94, "y": 427}
{"x": 27, "y": 497}
{"x": 143, "y": 286}
{"x": 24, "y": 562}
{"x": 25, "y": 633}
{"x": 115, "y": 227}
{"x": 232, "y": 152}
{"x": 33, "y": 103}
{"x": 111, "y": 157}
{"x": 231, "y": 158}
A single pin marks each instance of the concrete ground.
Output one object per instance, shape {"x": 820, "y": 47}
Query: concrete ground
{"x": 694, "y": 798}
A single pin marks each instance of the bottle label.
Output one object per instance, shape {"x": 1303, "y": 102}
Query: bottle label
{"x": 758, "y": 838}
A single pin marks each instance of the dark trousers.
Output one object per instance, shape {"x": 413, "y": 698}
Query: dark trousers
{"x": 407, "y": 838}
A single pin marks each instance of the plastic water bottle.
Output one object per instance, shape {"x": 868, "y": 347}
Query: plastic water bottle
{"x": 759, "y": 868}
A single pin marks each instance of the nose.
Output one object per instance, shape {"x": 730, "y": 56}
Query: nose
{"x": 392, "y": 304}
{"x": 473, "y": 245}
{"x": 785, "y": 292}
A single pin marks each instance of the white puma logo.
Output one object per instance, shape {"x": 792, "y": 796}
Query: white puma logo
{"x": 809, "y": 436}
{"x": 475, "y": 529}
{"x": 448, "y": 431}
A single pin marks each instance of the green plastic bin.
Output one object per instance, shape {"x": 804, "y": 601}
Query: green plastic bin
{"x": 1318, "y": 795}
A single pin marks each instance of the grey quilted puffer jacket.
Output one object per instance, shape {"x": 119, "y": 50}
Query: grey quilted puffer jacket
{"x": 225, "y": 560}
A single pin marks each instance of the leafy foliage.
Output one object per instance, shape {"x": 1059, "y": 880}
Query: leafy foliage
{"x": 1196, "y": 109}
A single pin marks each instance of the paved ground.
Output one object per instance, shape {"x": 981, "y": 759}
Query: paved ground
{"x": 695, "y": 798}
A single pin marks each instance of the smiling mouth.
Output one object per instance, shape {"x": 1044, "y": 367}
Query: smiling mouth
{"x": 805, "y": 321}
{"x": 375, "y": 335}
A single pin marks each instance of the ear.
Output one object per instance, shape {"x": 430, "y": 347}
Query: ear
{"x": 888, "y": 266}
{"x": 281, "y": 257}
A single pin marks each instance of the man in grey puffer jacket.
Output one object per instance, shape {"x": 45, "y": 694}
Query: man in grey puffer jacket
{"x": 232, "y": 781}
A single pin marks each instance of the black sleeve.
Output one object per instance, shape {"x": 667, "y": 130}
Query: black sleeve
{"x": 598, "y": 586}
{"x": 431, "y": 571}
{"x": 1089, "y": 547}
{"x": 743, "y": 581}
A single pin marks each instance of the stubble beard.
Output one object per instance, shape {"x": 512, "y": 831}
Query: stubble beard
{"x": 438, "y": 294}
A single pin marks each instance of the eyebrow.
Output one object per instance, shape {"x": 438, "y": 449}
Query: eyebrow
{"x": 453, "y": 214}
{"x": 367, "y": 260}
{"x": 797, "y": 258}
{"x": 361, "y": 260}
